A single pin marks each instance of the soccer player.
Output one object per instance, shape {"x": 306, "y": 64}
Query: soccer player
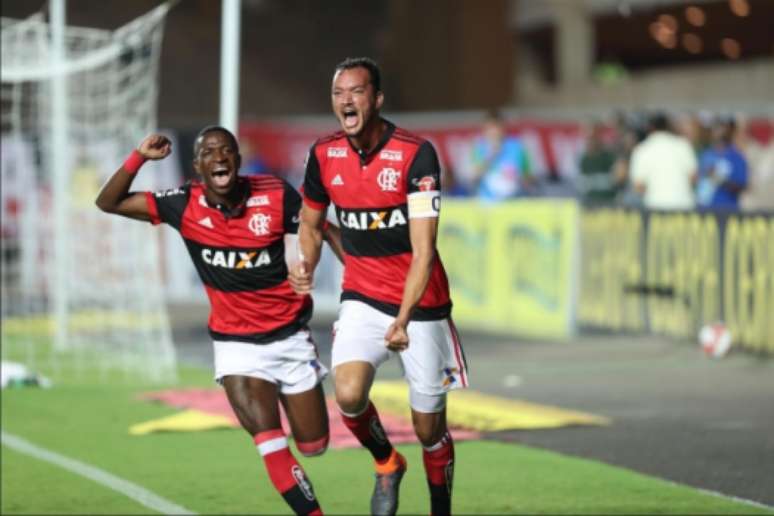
{"x": 236, "y": 230}
{"x": 384, "y": 184}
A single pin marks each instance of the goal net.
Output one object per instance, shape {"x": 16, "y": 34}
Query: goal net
{"x": 81, "y": 290}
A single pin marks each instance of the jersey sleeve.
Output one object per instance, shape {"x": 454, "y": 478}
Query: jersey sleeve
{"x": 314, "y": 191}
{"x": 291, "y": 206}
{"x": 424, "y": 183}
{"x": 168, "y": 206}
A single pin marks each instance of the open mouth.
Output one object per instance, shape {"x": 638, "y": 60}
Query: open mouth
{"x": 220, "y": 176}
{"x": 350, "y": 118}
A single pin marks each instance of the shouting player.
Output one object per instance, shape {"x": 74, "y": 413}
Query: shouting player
{"x": 384, "y": 184}
{"x": 236, "y": 230}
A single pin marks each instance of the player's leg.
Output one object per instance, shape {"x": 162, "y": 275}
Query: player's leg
{"x": 437, "y": 449}
{"x": 434, "y": 364}
{"x": 308, "y": 417}
{"x": 246, "y": 373}
{"x": 300, "y": 375}
{"x": 358, "y": 349}
{"x": 255, "y": 403}
{"x": 353, "y": 383}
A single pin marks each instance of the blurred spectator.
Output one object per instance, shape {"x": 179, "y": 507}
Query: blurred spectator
{"x": 722, "y": 170}
{"x": 663, "y": 168}
{"x": 760, "y": 195}
{"x": 695, "y": 128}
{"x": 629, "y": 130}
{"x": 500, "y": 163}
{"x": 760, "y": 159}
{"x": 252, "y": 164}
{"x": 596, "y": 181}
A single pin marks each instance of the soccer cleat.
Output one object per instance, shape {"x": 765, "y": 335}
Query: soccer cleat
{"x": 384, "y": 501}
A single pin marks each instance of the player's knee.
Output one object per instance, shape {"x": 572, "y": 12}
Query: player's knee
{"x": 350, "y": 398}
{"x": 427, "y": 433}
{"x": 313, "y": 448}
{"x": 428, "y": 417}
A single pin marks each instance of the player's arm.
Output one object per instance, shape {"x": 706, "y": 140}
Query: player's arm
{"x": 115, "y": 196}
{"x": 310, "y": 238}
{"x": 422, "y": 233}
{"x": 332, "y": 235}
{"x": 310, "y": 228}
{"x": 424, "y": 198}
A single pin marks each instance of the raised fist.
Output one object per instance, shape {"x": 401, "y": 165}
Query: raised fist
{"x": 155, "y": 146}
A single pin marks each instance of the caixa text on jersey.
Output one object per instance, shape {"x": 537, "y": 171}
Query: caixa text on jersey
{"x": 371, "y": 220}
{"x": 235, "y": 259}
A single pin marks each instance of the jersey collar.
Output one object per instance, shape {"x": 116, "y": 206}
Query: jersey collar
{"x": 243, "y": 184}
{"x": 365, "y": 156}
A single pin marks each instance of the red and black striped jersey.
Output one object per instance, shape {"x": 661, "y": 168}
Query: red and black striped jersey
{"x": 240, "y": 256}
{"x": 374, "y": 195}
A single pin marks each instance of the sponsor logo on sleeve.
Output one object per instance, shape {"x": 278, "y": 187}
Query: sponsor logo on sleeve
{"x": 168, "y": 193}
{"x": 391, "y": 155}
{"x": 425, "y": 184}
{"x": 337, "y": 152}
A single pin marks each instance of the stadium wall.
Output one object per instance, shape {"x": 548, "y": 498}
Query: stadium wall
{"x": 671, "y": 273}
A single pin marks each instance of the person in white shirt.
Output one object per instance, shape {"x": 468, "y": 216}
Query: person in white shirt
{"x": 663, "y": 168}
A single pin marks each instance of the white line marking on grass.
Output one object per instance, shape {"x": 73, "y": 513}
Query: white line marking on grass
{"x": 745, "y": 501}
{"x": 129, "y": 489}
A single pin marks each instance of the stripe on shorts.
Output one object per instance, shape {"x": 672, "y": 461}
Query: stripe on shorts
{"x": 459, "y": 355}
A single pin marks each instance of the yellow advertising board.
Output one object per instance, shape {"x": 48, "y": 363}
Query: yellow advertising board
{"x": 671, "y": 273}
{"x": 512, "y": 266}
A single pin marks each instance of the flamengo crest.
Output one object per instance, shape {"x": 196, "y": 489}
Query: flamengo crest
{"x": 388, "y": 179}
{"x": 259, "y": 224}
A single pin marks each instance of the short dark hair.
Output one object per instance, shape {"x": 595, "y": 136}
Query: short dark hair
{"x": 659, "y": 121}
{"x": 215, "y": 129}
{"x": 362, "y": 62}
{"x": 728, "y": 122}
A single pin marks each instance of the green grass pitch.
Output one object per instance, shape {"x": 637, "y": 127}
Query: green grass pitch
{"x": 221, "y": 472}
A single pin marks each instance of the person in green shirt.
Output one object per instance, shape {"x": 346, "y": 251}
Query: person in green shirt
{"x": 597, "y": 182}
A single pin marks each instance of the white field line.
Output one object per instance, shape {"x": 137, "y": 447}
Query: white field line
{"x": 129, "y": 489}
{"x": 751, "y": 503}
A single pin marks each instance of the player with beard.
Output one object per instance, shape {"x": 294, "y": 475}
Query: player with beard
{"x": 385, "y": 185}
{"x": 236, "y": 230}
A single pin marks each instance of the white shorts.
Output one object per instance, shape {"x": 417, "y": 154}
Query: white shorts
{"x": 291, "y": 363}
{"x": 433, "y": 364}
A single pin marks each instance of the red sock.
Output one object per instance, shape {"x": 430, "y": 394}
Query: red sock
{"x": 369, "y": 431}
{"x": 286, "y": 473}
{"x": 439, "y": 467}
